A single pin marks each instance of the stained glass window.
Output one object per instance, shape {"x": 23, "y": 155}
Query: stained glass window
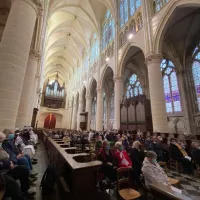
{"x": 196, "y": 74}
{"x": 94, "y": 107}
{"x": 171, "y": 89}
{"x": 127, "y": 8}
{"x": 108, "y": 30}
{"x": 94, "y": 51}
{"x": 112, "y": 106}
{"x": 133, "y": 87}
{"x": 158, "y": 4}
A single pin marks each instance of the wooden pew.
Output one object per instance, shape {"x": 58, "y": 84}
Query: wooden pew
{"x": 76, "y": 175}
{"x": 164, "y": 192}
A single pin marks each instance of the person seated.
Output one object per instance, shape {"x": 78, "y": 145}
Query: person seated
{"x": 108, "y": 159}
{"x": 98, "y": 143}
{"x": 125, "y": 142}
{"x": 33, "y": 136}
{"x": 15, "y": 155}
{"x": 137, "y": 160}
{"x": 196, "y": 152}
{"x": 147, "y": 143}
{"x": 178, "y": 153}
{"x": 18, "y": 142}
{"x": 152, "y": 171}
{"x": 122, "y": 156}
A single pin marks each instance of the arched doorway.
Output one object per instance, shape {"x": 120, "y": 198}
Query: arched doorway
{"x": 50, "y": 121}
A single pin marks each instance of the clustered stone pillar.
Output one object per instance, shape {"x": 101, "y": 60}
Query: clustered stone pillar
{"x": 89, "y": 110}
{"x": 14, "y": 52}
{"x": 26, "y": 101}
{"x": 158, "y": 107}
{"x": 80, "y": 110}
{"x": 99, "y": 114}
{"x": 74, "y": 116}
{"x": 118, "y": 94}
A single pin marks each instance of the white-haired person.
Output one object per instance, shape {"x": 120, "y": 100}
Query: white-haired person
{"x": 137, "y": 157}
{"x": 18, "y": 142}
{"x": 122, "y": 156}
{"x": 152, "y": 171}
{"x": 33, "y": 136}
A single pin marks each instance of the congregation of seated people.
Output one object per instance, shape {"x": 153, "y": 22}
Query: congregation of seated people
{"x": 17, "y": 150}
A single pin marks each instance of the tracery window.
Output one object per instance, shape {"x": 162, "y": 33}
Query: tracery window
{"x": 171, "y": 89}
{"x": 133, "y": 87}
{"x": 104, "y": 107}
{"x": 127, "y": 8}
{"x": 94, "y": 108}
{"x": 85, "y": 63}
{"x": 158, "y": 4}
{"x": 196, "y": 74}
{"x": 108, "y": 30}
{"x": 112, "y": 105}
{"x": 94, "y": 51}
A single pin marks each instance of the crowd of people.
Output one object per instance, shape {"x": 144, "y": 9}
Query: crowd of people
{"x": 140, "y": 153}
{"x": 17, "y": 150}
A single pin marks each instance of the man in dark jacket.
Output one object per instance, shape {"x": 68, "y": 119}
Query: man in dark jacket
{"x": 179, "y": 154}
{"x": 196, "y": 152}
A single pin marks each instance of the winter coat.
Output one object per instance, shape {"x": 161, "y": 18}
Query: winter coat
{"x": 154, "y": 173}
{"x": 123, "y": 159}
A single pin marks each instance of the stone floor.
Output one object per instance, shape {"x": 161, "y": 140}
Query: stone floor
{"x": 190, "y": 186}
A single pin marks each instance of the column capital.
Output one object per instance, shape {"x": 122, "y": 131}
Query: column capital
{"x": 153, "y": 58}
{"x": 35, "y": 55}
{"x": 36, "y": 4}
{"x": 117, "y": 79}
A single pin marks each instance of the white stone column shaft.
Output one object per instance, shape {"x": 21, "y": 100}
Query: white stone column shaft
{"x": 89, "y": 110}
{"x": 74, "y": 116}
{"x": 158, "y": 107}
{"x": 99, "y": 114}
{"x": 118, "y": 95}
{"x": 14, "y": 53}
{"x": 80, "y": 110}
{"x": 28, "y": 91}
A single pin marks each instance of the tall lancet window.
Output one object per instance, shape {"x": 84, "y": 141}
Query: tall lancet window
{"x": 171, "y": 89}
{"x": 108, "y": 30}
{"x": 112, "y": 105}
{"x": 134, "y": 87}
{"x": 104, "y": 107}
{"x": 94, "y": 50}
{"x": 94, "y": 108}
{"x": 196, "y": 74}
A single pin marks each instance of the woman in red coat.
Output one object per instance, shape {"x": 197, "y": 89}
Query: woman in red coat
{"x": 122, "y": 156}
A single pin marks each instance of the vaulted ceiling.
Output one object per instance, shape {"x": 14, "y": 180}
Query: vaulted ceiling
{"x": 70, "y": 26}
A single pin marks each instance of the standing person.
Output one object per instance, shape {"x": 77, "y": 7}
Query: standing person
{"x": 122, "y": 156}
{"x": 91, "y": 135}
{"x": 136, "y": 160}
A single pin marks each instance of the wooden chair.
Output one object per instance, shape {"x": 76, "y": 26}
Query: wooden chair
{"x": 163, "y": 165}
{"x": 174, "y": 182}
{"x": 124, "y": 185}
{"x": 175, "y": 165}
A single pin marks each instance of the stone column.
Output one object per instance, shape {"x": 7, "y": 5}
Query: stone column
{"x": 158, "y": 107}
{"x": 28, "y": 91}
{"x": 80, "y": 110}
{"x": 89, "y": 110}
{"x": 99, "y": 114}
{"x": 74, "y": 116}
{"x": 118, "y": 96}
{"x": 186, "y": 106}
{"x": 14, "y": 52}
